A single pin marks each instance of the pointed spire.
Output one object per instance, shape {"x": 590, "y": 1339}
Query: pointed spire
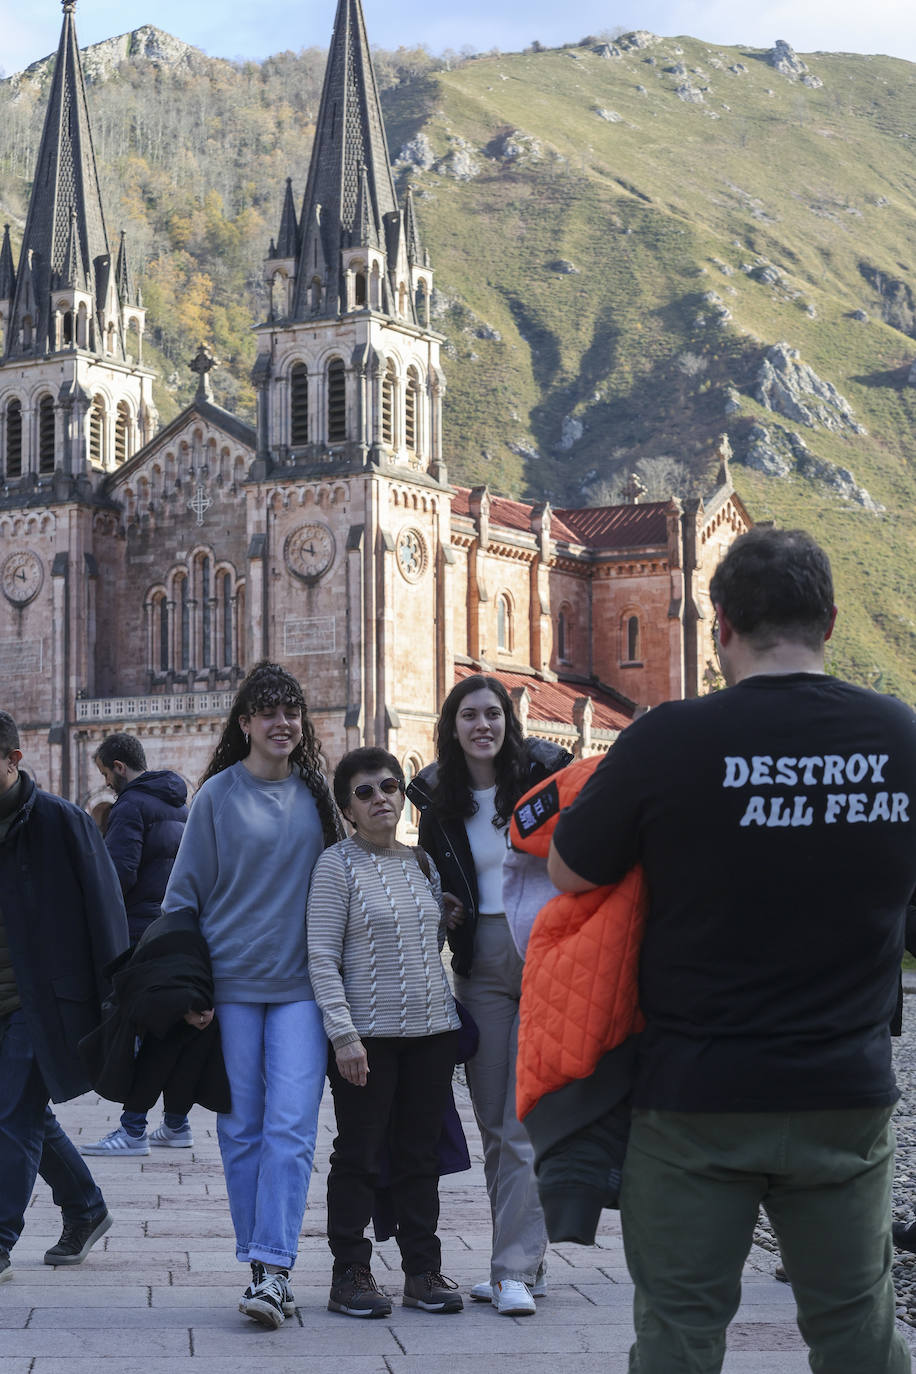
{"x": 349, "y": 136}
{"x": 66, "y": 184}
{"x": 73, "y": 270}
{"x": 365, "y": 231}
{"x": 7, "y": 270}
{"x": 287, "y": 245}
{"x": 123, "y": 283}
{"x": 411, "y": 233}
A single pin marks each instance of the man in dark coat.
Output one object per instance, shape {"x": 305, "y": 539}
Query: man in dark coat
{"x": 62, "y": 920}
{"x": 144, "y": 830}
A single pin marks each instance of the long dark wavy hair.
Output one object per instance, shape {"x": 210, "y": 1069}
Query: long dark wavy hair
{"x": 269, "y": 685}
{"x": 452, "y": 795}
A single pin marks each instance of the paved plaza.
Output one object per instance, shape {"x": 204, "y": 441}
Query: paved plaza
{"x": 162, "y": 1287}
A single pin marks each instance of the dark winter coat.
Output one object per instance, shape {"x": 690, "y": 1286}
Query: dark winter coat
{"x": 144, "y": 831}
{"x": 446, "y": 842}
{"x": 65, "y": 923}
{"x": 166, "y": 975}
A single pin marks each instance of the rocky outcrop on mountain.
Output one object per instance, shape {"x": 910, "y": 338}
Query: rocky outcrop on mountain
{"x": 639, "y": 38}
{"x": 515, "y": 146}
{"x": 789, "y": 387}
{"x": 898, "y": 307}
{"x": 779, "y": 452}
{"x": 418, "y": 153}
{"x": 785, "y": 60}
{"x": 100, "y": 61}
{"x": 460, "y": 161}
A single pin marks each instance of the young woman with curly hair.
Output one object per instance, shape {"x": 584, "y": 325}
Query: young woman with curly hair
{"x": 262, "y": 816}
{"x": 465, "y": 800}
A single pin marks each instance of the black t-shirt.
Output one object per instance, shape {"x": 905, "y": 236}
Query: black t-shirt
{"x": 776, "y": 822}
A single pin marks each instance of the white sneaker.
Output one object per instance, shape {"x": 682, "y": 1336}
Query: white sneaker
{"x": 118, "y": 1142}
{"x": 483, "y": 1292}
{"x": 513, "y": 1298}
{"x": 177, "y": 1140}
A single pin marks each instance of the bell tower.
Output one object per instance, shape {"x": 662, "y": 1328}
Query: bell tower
{"x": 348, "y": 368}
{"x": 74, "y": 396}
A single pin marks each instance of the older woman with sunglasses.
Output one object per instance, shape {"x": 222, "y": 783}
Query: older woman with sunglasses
{"x": 376, "y": 928}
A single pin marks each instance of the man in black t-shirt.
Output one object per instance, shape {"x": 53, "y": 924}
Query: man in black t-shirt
{"x": 776, "y": 822}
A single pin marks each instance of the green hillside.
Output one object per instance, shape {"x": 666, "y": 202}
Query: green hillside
{"x": 619, "y": 242}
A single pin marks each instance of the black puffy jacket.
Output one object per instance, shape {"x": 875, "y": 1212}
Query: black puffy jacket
{"x": 446, "y": 841}
{"x": 144, "y": 830}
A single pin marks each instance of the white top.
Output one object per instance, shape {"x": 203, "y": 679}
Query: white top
{"x": 488, "y": 849}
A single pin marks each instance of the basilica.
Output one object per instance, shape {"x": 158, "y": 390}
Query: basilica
{"x": 143, "y": 569}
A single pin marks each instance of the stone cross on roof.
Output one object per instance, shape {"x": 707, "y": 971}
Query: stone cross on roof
{"x": 202, "y": 363}
{"x": 634, "y": 491}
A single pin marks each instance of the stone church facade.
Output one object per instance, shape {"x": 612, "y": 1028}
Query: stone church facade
{"x": 144, "y": 569}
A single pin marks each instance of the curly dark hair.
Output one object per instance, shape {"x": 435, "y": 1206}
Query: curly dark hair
{"x": 453, "y": 796}
{"x": 269, "y": 685}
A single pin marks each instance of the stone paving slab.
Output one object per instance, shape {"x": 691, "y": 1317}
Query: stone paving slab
{"x": 161, "y": 1289}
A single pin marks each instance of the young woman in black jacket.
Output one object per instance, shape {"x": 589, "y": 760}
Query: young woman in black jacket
{"x": 465, "y": 801}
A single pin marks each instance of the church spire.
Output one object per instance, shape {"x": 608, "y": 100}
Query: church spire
{"x": 287, "y": 245}
{"x": 65, "y": 201}
{"x": 7, "y": 270}
{"x": 349, "y": 136}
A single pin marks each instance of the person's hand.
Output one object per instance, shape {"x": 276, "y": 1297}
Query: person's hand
{"x": 454, "y": 910}
{"x": 200, "y": 1020}
{"x": 353, "y": 1063}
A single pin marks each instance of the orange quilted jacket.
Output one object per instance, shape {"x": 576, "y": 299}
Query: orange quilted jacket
{"x": 579, "y": 988}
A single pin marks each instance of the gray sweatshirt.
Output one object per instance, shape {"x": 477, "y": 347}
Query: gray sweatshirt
{"x": 243, "y": 868}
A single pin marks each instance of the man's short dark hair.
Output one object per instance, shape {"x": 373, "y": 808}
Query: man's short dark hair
{"x": 774, "y": 585}
{"x": 9, "y": 735}
{"x": 124, "y": 748}
{"x": 366, "y": 760}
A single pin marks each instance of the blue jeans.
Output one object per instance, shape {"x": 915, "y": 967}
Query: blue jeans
{"x": 32, "y": 1142}
{"x": 276, "y": 1057}
{"x": 134, "y": 1123}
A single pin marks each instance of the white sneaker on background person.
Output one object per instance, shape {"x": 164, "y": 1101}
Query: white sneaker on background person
{"x": 483, "y": 1292}
{"x": 118, "y": 1142}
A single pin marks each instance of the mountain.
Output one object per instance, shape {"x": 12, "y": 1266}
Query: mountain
{"x": 640, "y": 244}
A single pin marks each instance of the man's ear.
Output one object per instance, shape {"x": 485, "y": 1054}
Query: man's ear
{"x": 831, "y": 625}
{"x": 726, "y": 629}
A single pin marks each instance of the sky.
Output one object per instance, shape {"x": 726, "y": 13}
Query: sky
{"x": 237, "y": 30}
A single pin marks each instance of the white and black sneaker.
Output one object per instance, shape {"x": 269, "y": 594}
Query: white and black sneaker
{"x": 268, "y": 1299}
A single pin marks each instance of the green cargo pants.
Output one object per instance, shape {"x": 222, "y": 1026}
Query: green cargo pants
{"x": 692, "y": 1186}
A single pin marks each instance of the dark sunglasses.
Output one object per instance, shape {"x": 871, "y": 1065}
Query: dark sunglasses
{"x": 365, "y": 790}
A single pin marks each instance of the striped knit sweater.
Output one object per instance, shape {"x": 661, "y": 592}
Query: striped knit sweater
{"x": 375, "y": 935}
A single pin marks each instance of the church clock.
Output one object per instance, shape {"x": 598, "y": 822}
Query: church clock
{"x": 21, "y": 577}
{"x": 309, "y": 551}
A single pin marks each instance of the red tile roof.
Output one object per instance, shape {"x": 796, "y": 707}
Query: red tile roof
{"x": 554, "y": 701}
{"x": 618, "y": 527}
{"x": 598, "y": 527}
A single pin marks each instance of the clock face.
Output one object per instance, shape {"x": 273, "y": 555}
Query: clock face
{"x": 411, "y": 554}
{"x": 21, "y": 577}
{"x": 309, "y": 551}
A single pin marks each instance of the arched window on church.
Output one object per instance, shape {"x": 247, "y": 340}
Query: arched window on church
{"x": 315, "y": 295}
{"x": 402, "y": 299}
{"x": 67, "y": 333}
{"x": 184, "y": 605}
{"x": 46, "y": 434}
{"x": 298, "y": 405}
{"x": 161, "y": 633}
{"x": 421, "y": 301}
{"x": 389, "y": 386}
{"x": 206, "y": 613}
{"x": 411, "y": 410}
{"x": 503, "y": 624}
{"x": 14, "y": 439}
{"x": 96, "y": 430}
{"x": 359, "y": 290}
{"x": 224, "y": 601}
{"x": 337, "y": 402}
{"x": 82, "y": 327}
{"x": 239, "y": 621}
{"x": 375, "y": 288}
{"x": 564, "y": 644}
{"x": 122, "y": 433}
{"x": 110, "y": 340}
{"x": 27, "y": 331}
{"x": 633, "y": 644}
